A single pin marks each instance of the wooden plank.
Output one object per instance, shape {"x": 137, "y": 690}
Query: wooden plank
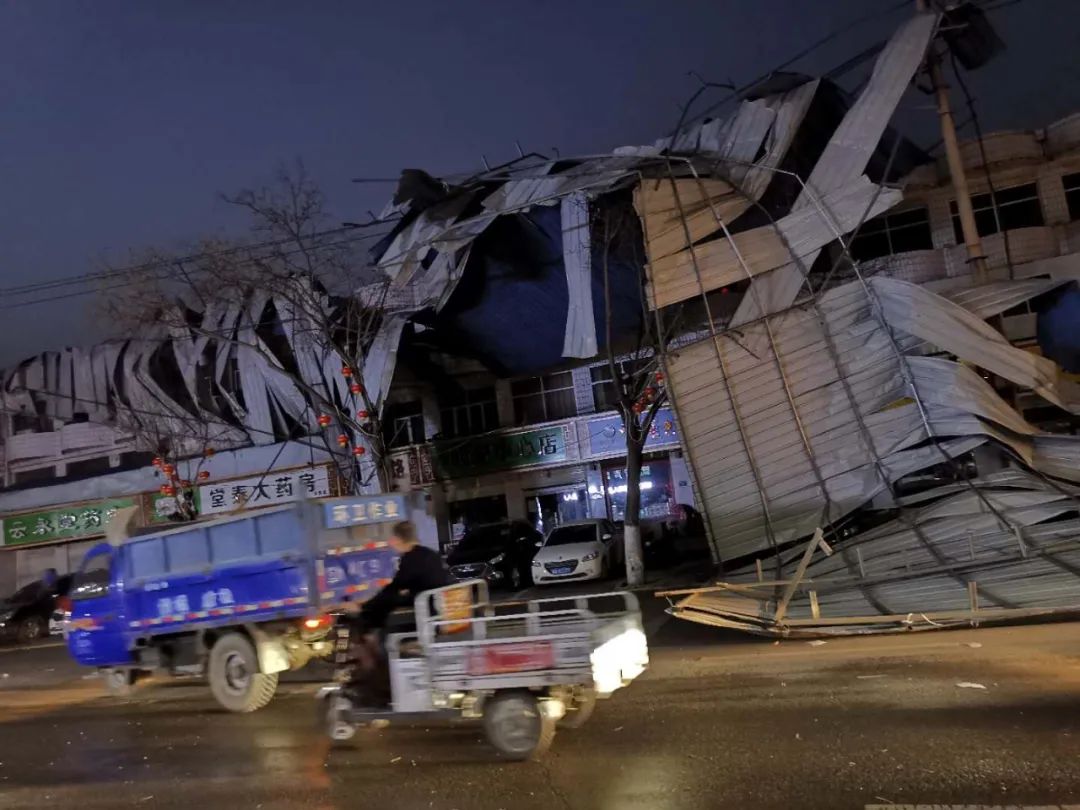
{"x": 664, "y": 214}
{"x": 800, "y": 572}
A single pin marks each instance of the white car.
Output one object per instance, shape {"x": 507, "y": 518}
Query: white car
{"x": 585, "y": 549}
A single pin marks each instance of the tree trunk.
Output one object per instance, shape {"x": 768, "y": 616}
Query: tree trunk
{"x": 632, "y": 550}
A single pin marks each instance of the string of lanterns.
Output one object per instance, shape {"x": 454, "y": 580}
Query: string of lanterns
{"x": 325, "y": 420}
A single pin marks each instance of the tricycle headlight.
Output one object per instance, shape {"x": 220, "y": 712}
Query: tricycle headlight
{"x": 592, "y": 555}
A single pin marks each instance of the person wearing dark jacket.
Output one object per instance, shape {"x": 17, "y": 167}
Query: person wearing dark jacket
{"x": 420, "y": 569}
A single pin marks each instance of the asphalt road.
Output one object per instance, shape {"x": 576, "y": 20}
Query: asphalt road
{"x": 719, "y": 721}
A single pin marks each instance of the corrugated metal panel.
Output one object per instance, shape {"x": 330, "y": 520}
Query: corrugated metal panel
{"x": 848, "y": 151}
{"x": 580, "y": 338}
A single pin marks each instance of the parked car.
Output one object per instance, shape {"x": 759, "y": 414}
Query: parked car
{"x": 27, "y": 615}
{"x": 499, "y": 553}
{"x": 584, "y": 549}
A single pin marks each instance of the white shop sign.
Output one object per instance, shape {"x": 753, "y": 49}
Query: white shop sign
{"x": 267, "y": 490}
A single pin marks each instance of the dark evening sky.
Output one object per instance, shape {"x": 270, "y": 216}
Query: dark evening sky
{"x": 122, "y": 121}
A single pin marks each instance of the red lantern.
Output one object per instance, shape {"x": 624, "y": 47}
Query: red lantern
{"x": 358, "y": 451}
{"x": 356, "y": 388}
{"x": 185, "y": 484}
{"x": 169, "y": 470}
{"x": 168, "y": 490}
{"x": 157, "y": 461}
{"x": 342, "y": 440}
{"x": 361, "y": 415}
{"x": 324, "y": 420}
{"x": 650, "y": 392}
{"x": 659, "y": 376}
{"x": 162, "y": 489}
{"x": 346, "y": 371}
{"x": 204, "y": 475}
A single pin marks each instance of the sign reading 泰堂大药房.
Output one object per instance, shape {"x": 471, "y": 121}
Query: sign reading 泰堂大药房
{"x": 456, "y": 458}
{"x": 361, "y": 510}
{"x": 62, "y": 522}
{"x": 264, "y": 490}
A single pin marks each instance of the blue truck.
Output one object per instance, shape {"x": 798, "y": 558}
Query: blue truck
{"x": 237, "y": 600}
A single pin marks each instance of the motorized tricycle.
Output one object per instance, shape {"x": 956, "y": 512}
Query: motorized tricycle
{"x": 522, "y": 669}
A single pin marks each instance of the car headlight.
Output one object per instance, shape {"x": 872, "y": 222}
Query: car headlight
{"x": 6, "y": 615}
{"x": 592, "y": 555}
{"x": 537, "y": 564}
{"x": 497, "y": 559}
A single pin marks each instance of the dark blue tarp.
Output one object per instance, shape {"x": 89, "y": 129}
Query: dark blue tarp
{"x": 1058, "y": 328}
{"x": 509, "y": 309}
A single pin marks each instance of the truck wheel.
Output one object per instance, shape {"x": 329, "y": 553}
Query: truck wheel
{"x": 579, "y": 710}
{"x": 515, "y": 725}
{"x": 120, "y": 683}
{"x": 234, "y": 676}
{"x": 31, "y": 629}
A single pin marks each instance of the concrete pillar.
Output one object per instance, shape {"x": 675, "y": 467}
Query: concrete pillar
{"x": 594, "y": 486}
{"x": 583, "y": 394}
{"x": 515, "y": 498}
{"x": 504, "y": 402}
{"x": 429, "y": 408}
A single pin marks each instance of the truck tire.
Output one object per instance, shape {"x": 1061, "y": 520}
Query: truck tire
{"x": 119, "y": 683}
{"x": 234, "y": 676}
{"x": 515, "y": 725}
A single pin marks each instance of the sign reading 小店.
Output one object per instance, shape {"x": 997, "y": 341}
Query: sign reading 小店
{"x": 455, "y": 458}
{"x": 63, "y": 522}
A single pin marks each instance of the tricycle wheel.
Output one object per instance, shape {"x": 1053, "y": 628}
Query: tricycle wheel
{"x": 579, "y": 709}
{"x": 516, "y": 726}
{"x": 335, "y": 717}
{"x": 234, "y": 676}
{"x": 120, "y": 683}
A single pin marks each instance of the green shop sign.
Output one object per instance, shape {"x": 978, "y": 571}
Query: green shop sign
{"x": 506, "y": 451}
{"x": 62, "y": 523}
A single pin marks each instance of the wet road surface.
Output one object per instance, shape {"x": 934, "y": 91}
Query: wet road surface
{"x": 719, "y": 721}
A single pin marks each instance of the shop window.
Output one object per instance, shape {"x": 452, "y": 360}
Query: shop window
{"x": 890, "y": 234}
{"x": 466, "y": 515}
{"x": 469, "y": 412}
{"x": 1072, "y": 194}
{"x": 89, "y": 466}
{"x": 657, "y": 491}
{"x": 1017, "y": 207}
{"x": 543, "y": 399}
{"x": 403, "y": 424}
{"x": 605, "y": 394}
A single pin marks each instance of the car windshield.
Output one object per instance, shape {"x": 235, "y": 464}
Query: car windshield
{"x": 566, "y": 535}
{"x": 491, "y": 537}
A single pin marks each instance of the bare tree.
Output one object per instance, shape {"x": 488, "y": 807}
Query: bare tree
{"x": 289, "y": 306}
{"x": 634, "y": 360}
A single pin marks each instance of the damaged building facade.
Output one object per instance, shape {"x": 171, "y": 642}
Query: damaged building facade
{"x": 875, "y": 437}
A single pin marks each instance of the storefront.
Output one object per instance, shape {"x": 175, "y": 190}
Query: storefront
{"x": 547, "y": 475}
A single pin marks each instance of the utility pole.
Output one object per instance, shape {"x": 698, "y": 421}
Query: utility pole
{"x": 976, "y": 257}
